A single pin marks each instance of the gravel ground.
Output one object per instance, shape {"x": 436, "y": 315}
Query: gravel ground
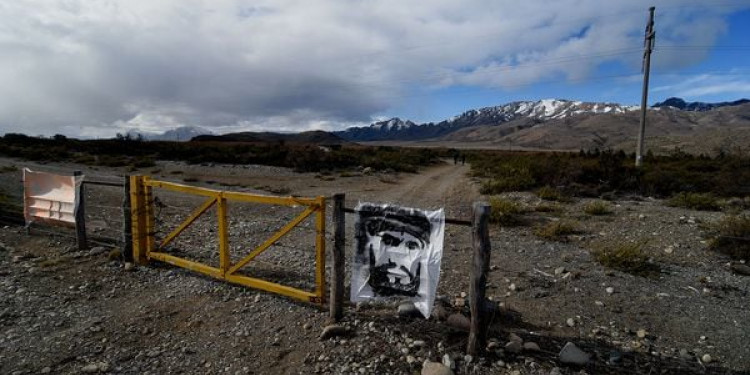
{"x": 69, "y": 311}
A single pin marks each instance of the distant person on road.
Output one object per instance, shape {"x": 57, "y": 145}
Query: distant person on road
{"x": 455, "y": 158}
{"x": 463, "y": 159}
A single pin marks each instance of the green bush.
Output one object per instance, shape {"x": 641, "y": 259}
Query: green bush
{"x": 505, "y": 211}
{"x": 596, "y": 208}
{"x": 732, "y": 236}
{"x": 628, "y": 258}
{"x": 695, "y": 201}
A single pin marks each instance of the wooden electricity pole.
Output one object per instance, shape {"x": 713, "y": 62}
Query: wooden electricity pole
{"x": 648, "y": 47}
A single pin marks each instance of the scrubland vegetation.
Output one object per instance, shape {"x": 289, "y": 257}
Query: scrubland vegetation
{"x": 136, "y": 153}
{"x": 596, "y": 173}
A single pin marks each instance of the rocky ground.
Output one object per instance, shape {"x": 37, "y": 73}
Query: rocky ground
{"x": 68, "y": 311}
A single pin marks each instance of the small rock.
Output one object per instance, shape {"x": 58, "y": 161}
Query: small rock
{"x": 516, "y": 338}
{"x": 571, "y": 354}
{"x": 333, "y": 330}
{"x": 463, "y": 294}
{"x": 434, "y": 368}
{"x": 90, "y": 368}
{"x": 418, "y": 343}
{"x": 440, "y": 312}
{"x": 459, "y": 321}
{"x": 570, "y": 322}
{"x": 513, "y": 347}
{"x": 447, "y": 362}
{"x": 531, "y": 346}
{"x": 685, "y": 354}
{"x": 669, "y": 250}
{"x": 615, "y": 357}
{"x": 408, "y": 310}
{"x": 307, "y": 326}
{"x": 610, "y": 290}
{"x": 706, "y": 358}
{"x": 97, "y": 250}
{"x": 468, "y": 358}
{"x": 257, "y": 298}
{"x": 559, "y": 270}
{"x": 410, "y": 359}
{"x": 641, "y": 333}
{"x": 512, "y": 287}
{"x": 740, "y": 269}
{"x": 128, "y": 266}
{"x": 46, "y": 370}
{"x": 555, "y": 371}
{"x": 599, "y": 303}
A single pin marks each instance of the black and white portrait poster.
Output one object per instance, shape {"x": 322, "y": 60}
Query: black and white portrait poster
{"x": 397, "y": 254}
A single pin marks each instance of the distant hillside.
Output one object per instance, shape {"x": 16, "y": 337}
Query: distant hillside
{"x": 697, "y": 106}
{"x": 318, "y": 137}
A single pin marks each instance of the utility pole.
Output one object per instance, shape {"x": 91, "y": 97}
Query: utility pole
{"x": 648, "y": 45}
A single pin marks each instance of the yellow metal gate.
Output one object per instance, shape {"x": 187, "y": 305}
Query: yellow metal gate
{"x": 145, "y": 247}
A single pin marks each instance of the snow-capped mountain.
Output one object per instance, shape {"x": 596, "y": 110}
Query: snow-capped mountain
{"x": 180, "y": 134}
{"x": 539, "y": 111}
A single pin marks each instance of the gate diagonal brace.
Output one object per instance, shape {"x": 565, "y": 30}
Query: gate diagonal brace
{"x": 193, "y": 216}
{"x": 283, "y": 231}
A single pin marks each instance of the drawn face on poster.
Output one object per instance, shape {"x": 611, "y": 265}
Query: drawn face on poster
{"x": 397, "y": 254}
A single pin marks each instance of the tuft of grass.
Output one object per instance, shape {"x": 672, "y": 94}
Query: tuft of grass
{"x": 695, "y": 201}
{"x": 628, "y": 257}
{"x": 596, "y": 208}
{"x": 49, "y": 263}
{"x": 176, "y": 172}
{"x": 348, "y": 174}
{"x": 556, "y": 230}
{"x": 548, "y": 207}
{"x": 549, "y": 193}
{"x": 505, "y": 211}
{"x": 190, "y": 179}
{"x": 732, "y": 236}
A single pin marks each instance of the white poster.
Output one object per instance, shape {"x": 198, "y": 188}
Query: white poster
{"x": 397, "y": 254}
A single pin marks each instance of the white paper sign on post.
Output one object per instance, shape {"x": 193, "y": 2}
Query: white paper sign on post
{"x": 397, "y": 253}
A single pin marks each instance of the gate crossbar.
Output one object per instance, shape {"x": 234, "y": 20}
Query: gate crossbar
{"x": 144, "y": 247}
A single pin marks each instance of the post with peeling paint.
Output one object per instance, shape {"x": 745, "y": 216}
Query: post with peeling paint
{"x": 80, "y": 214}
{"x": 478, "y": 283}
{"x": 337, "y": 276}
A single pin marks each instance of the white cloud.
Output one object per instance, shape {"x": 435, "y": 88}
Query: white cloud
{"x": 700, "y": 86}
{"x": 99, "y": 67}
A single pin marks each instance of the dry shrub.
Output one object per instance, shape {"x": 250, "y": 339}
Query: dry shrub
{"x": 505, "y": 211}
{"x": 695, "y": 201}
{"x": 596, "y": 208}
{"x": 557, "y": 230}
{"x": 628, "y": 257}
{"x": 551, "y": 194}
{"x": 548, "y": 207}
{"x": 732, "y": 236}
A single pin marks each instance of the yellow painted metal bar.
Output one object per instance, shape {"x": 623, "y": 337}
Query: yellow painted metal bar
{"x": 149, "y": 216}
{"x": 320, "y": 249}
{"x": 183, "y": 188}
{"x": 187, "y": 264}
{"x": 273, "y": 287}
{"x": 269, "y": 199}
{"x": 224, "y": 259}
{"x": 231, "y": 195}
{"x": 193, "y": 216}
{"x": 288, "y": 227}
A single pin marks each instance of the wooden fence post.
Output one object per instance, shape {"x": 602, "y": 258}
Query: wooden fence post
{"x": 478, "y": 283}
{"x": 80, "y": 214}
{"x": 127, "y": 229}
{"x": 337, "y": 276}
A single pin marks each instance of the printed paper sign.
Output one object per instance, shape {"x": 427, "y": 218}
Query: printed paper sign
{"x": 397, "y": 254}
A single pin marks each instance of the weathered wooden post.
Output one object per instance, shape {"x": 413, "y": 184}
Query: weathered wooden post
{"x": 339, "y": 241}
{"x": 80, "y": 214}
{"x": 127, "y": 229}
{"x": 478, "y": 283}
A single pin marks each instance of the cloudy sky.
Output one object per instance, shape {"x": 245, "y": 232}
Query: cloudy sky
{"x": 97, "y": 67}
